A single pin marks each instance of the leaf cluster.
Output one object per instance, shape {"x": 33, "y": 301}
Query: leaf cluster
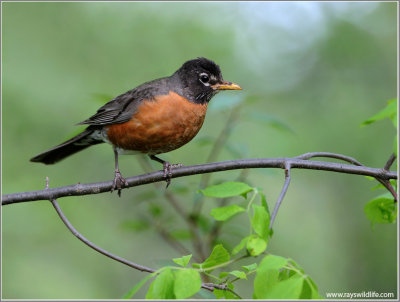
{"x": 275, "y": 276}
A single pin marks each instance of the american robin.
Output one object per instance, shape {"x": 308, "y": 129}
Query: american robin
{"x": 156, "y": 117}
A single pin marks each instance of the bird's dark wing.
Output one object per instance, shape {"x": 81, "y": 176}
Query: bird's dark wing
{"x": 120, "y": 109}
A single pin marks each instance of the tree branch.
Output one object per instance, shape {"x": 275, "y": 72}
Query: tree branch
{"x": 93, "y": 246}
{"x": 207, "y": 286}
{"x": 331, "y": 155}
{"x": 281, "y": 162}
{"x": 300, "y": 162}
{"x": 386, "y": 183}
{"x": 390, "y": 162}
{"x": 281, "y": 196}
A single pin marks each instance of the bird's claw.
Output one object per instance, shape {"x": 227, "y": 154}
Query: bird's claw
{"x": 118, "y": 182}
{"x": 167, "y": 168}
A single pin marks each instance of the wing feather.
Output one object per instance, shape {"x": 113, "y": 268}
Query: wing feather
{"x": 120, "y": 109}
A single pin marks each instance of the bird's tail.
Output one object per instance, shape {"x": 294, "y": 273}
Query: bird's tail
{"x": 71, "y": 146}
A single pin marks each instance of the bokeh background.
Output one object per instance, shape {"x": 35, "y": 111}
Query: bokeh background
{"x": 312, "y": 72}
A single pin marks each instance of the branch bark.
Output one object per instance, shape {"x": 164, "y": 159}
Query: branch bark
{"x": 281, "y": 196}
{"x": 299, "y": 162}
{"x": 281, "y": 163}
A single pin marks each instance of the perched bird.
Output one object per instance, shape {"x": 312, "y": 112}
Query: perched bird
{"x": 156, "y": 117}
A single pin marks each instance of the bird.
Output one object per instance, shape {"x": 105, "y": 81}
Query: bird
{"x": 154, "y": 118}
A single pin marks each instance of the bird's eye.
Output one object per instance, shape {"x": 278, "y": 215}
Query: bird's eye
{"x": 204, "y": 78}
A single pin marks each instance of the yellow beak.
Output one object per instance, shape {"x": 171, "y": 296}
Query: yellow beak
{"x": 226, "y": 86}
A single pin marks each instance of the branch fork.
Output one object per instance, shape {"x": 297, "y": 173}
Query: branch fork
{"x": 299, "y": 162}
{"x": 382, "y": 175}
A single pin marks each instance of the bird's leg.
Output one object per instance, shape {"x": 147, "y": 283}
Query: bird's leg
{"x": 118, "y": 179}
{"x": 167, "y": 168}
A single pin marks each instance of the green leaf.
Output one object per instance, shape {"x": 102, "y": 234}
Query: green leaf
{"x": 272, "y": 282}
{"x": 218, "y": 256}
{"x": 250, "y": 267}
{"x": 264, "y": 202}
{"x": 306, "y": 291}
{"x": 265, "y": 205}
{"x": 264, "y": 281}
{"x": 260, "y": 221}
{"x": 390, "y": 111}
{"x": 137, "y": 286}
{"x": 187, "y": 283}
{"x": 288, "y": 289}
{"x": 310, "y": 290}
{"x": 272, "y": 262}
{"x": 238, "y": 274}
{"x": 284, "y": 274}
{"x": 224, "y": 213}
{"x": 382, "y": 209}
{"x": 183, "y": 261}
{"x": 294, "y": 263}
{"x": 240, "y": 246}
{"x": 219, "y": 294}
{"x": 225, "y": 294}
{"x": 162, "y": 287}
{"x": 267, "y": 276}
{"x": 227, "y": 189}
{"x": 256, "y": 245}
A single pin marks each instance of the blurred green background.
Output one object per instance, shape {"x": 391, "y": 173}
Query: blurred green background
{"x": 312, "y": 72}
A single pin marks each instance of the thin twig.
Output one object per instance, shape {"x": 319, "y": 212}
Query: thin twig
{"x": 211, "y": 286}
{"x": 390, "y": 162}
{"x": 331, "y": 155}
{"x": 100, "y": 187}
{"x": 95, "y": 247}
{"x": 233, "y": 292}
{"x": 207, "y": 286}
{"x": 281, "y": 196}
{"x": 223, "y": 287}
{"x": 386, "y": 183}
{"x": 389, "y": 187}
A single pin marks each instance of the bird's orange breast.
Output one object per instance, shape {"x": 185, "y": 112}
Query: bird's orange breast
{"x": 160, "y": 125}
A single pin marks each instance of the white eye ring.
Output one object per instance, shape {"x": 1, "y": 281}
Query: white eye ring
{"x": 204, "y": 78}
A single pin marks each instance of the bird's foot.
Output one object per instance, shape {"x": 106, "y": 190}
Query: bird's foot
{"x": 167, "y": 167}
{"x": 118, "y": 182}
